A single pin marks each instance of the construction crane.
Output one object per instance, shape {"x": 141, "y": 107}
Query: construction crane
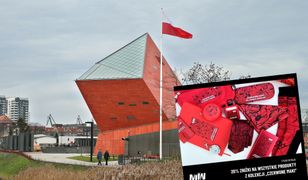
{"x": 79, "y": 120}
{"x": 305, "y": 116}
{"x": 50, "y": 120}
{"x": 53, "y": 124}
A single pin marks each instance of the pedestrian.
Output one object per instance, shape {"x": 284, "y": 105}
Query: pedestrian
{"x": 99, "y": 157}
{"x": 106, "y": 156}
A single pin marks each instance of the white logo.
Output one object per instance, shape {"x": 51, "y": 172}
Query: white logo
{"x": 199, "y": 176}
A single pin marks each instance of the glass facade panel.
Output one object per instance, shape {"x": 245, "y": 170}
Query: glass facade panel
{"x": 125, "y": 63}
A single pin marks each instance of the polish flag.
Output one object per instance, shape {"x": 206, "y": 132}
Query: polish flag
{"x": 168, "y": 28}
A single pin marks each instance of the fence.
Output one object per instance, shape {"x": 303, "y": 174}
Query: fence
{"x": 63, "y": 149}
{"x": 22, "y": 142}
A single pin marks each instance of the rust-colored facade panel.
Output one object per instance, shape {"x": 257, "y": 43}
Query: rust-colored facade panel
{"x": 114, "y": 105}
{"x": 152, "y": 78}
{"x": 112, "y": 140}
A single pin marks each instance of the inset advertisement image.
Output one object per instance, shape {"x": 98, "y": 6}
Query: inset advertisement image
{"x": 233, "y": 125}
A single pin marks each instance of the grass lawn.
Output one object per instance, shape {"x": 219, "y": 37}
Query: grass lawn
{"x": 11, "y": 164}
{"x": 16, "y": 167}
{"x": 87, "y": 158}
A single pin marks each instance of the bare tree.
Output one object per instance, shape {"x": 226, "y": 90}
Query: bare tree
{"x": 170, "y": 80}
{"x": 13, "y": 129}
{"x": 22, "y": 125}
{"x": 199, "y": 73}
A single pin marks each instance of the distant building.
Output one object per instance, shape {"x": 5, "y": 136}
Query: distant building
{"x": 18, "y": 108}
{"x": 3, "y": 105}
{"x": 71, "y": 130}
{"x": 5, "y": 124}
{"x": 76, "y": 140}
{"x": 36, "y": 128}
{"x": 42, "y": 140}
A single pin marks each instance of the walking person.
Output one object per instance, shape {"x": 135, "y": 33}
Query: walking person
{"x": 99, "y": 157}
{"x": 106, "y": 157}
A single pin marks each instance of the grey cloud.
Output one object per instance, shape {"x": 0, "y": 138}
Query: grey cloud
{"x": 46, "y": 45}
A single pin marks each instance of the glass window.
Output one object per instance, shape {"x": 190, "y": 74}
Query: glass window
{"x": 127, "y": 62}
{"x": 130, "y": 117}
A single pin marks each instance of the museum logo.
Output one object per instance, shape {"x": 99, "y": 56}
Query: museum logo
{"x": 198, "y": 176}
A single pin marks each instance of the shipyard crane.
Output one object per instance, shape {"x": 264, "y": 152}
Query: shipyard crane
{"x": 79, "y": 120}
{"x": 305, "y": 116}
{"x": 50, "y": 120}
{"x": 53, "y": 124}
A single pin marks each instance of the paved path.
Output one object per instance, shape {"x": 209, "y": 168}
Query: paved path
{"x": 63, "y": 158}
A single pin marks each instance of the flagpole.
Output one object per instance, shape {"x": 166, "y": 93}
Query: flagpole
{"x": 161, "y": 91}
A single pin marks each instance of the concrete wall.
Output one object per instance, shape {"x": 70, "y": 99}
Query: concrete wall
{"x": 112, "y": 140}
{"x": 148, "y": 144}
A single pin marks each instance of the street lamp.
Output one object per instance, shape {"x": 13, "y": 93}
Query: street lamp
{"x": 126, "y": 139}
{"x": 91, "y": 141}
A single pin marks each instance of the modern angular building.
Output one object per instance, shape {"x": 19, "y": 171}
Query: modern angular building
{"x": 122, "y": 93}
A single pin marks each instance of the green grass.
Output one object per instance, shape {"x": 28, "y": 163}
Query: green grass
{"x": 11, "y": 164}
{"x": 87, "y": 158}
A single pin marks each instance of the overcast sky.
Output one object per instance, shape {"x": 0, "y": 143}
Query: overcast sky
{"x": 46, "y": 45}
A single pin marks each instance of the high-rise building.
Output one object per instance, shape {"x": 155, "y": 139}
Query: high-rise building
{"x": 18, "y": 108}
{"x": 3, "y": 105}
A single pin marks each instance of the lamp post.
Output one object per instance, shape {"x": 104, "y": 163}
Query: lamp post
{"x": 128, "y": 133}
{"x": 91, "y": 141}
{"x": 126, "y": 139}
